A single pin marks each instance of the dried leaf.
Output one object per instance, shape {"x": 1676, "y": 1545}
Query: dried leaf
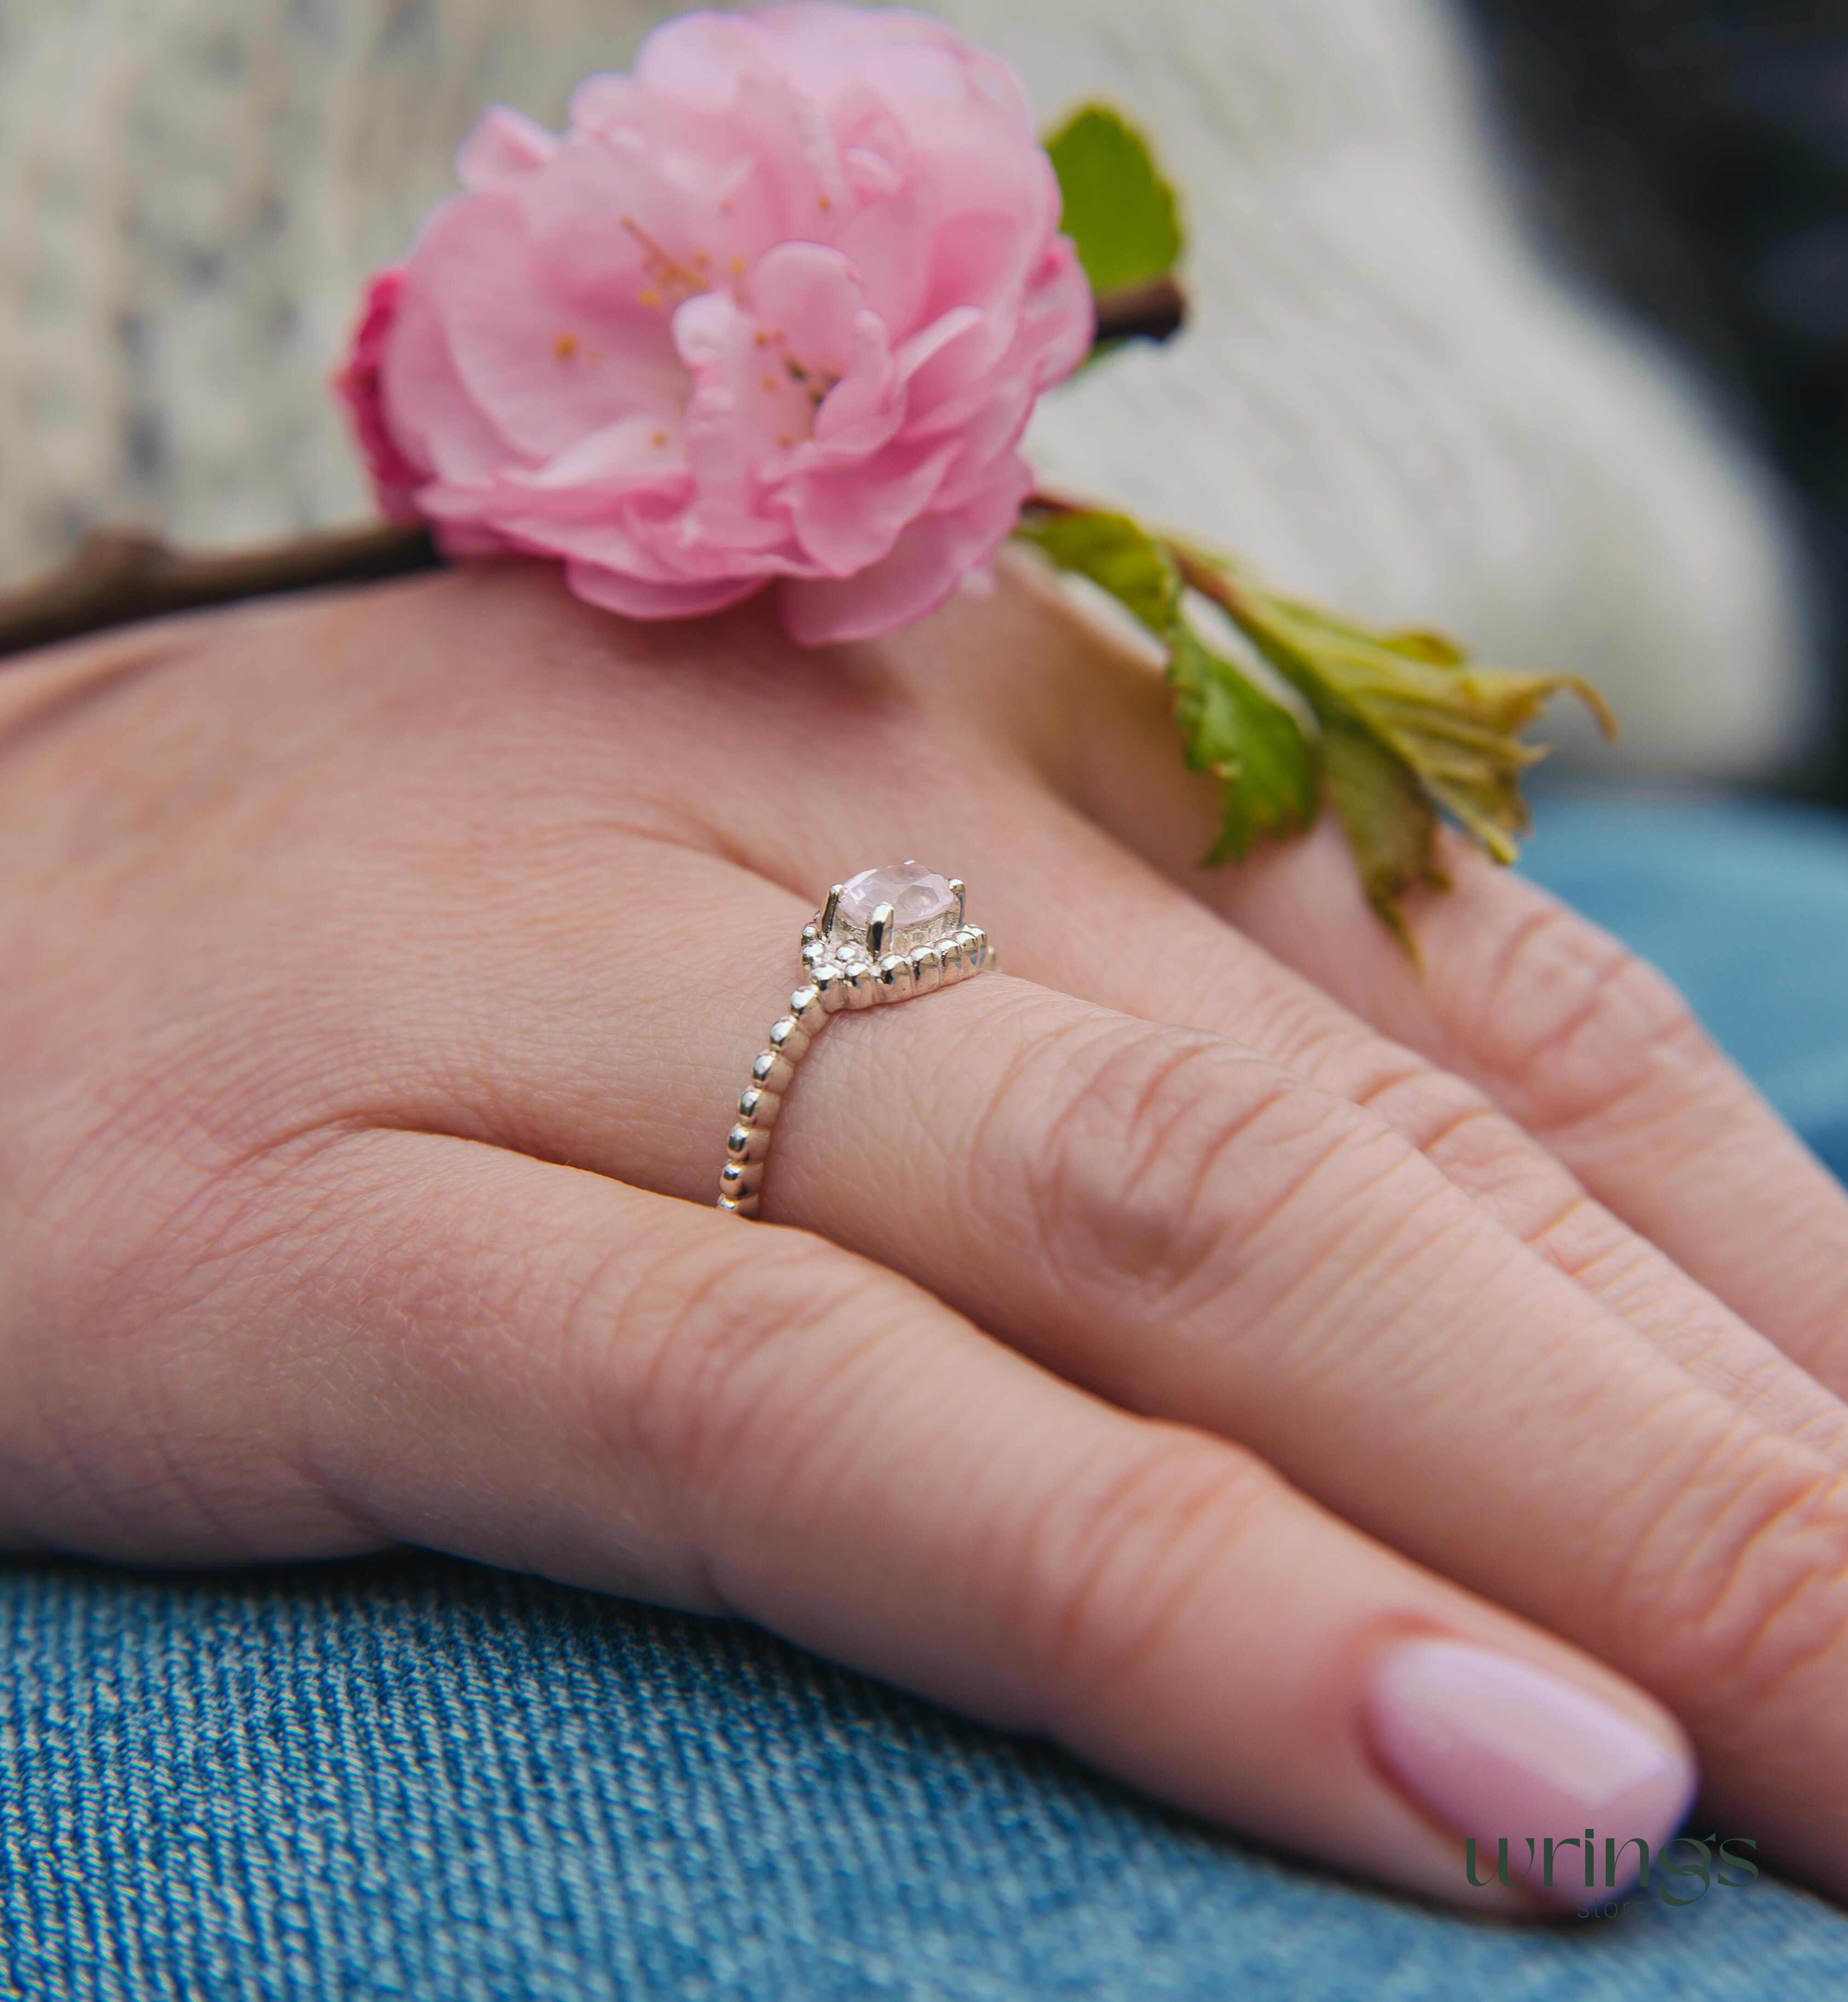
{"x": 1391, "y": 827}
{"x": 1455, "y": 725}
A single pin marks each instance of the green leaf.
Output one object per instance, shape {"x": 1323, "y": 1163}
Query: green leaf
{"x": 1116, "y": 553}
{"x": 1118, "y": 209}
{"x": 1247, "y": 740}
{"x": 1391, "y": 827}
{"x": 1410, "y": 726}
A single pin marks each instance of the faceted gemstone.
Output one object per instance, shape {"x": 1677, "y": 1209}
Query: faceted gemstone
{"x": 917, "y": 895}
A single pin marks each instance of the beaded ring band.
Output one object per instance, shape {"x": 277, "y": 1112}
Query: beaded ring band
{"x": 886, "y": 934}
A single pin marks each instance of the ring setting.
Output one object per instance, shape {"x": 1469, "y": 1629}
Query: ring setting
{"x": 886, "y": 934}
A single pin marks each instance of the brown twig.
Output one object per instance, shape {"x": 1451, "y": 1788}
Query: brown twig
{"x": 1155, "y": 311}
{"x": 114, "y": 578}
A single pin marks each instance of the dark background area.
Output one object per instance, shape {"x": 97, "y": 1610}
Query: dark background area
{"x": 1689, "y": 158}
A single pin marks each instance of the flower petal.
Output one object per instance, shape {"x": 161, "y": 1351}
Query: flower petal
{"x": 635, "y": 599}
{"x": 926, "y": 564}
{"x": 777, "y": 305}
{"x": 846, "y": 520}
{"x": 502, "y": 151}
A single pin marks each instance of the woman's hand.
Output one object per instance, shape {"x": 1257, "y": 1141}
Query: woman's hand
{"x": 1163, "y": 1359}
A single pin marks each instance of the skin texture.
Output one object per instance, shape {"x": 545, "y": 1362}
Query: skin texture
{"x": 1142, "y": 1340}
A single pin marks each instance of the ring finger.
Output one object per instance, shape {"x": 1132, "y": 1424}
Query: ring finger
{"x": 1196, "y": 1234}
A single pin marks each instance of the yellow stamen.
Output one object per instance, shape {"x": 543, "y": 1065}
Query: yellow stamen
{"x": 666, "y": 270}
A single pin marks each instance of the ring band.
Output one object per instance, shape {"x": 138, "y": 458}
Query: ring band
{"x": 886, "y": 934}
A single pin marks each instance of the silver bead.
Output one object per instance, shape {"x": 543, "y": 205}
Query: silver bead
{"x": 773, "y": 1071}
{"x": 759, "y": 1107}
{"x": 863, "y": 973}
{"x": 789, "y": 1036}
{"x": 747, "y": 1143}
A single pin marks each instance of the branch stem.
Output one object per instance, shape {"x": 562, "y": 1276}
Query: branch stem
{"x": 115, "y": 578}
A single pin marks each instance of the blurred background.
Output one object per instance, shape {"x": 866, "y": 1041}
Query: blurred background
{"x": 1689, "y": 159}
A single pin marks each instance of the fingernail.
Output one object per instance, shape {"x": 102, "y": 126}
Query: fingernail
{"x": 1496, "y": 1747}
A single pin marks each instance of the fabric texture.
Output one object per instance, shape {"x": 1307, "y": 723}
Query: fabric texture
{"x": 413, "y": 1778}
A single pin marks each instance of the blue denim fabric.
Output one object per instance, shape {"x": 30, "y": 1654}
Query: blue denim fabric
{"x": 412, "y": 1778}
{"x": 1747, "y": 906}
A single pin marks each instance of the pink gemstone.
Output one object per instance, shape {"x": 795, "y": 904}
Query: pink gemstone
{"x": 916, "y": 894}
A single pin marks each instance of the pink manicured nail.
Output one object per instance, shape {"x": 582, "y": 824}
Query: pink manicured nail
{"x": 1497, "y": 1747}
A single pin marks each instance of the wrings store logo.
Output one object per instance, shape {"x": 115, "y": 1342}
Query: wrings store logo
{"x": 1706, "y": 1864}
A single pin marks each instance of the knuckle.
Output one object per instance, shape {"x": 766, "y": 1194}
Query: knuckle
{"x": 1742, "y": 1586}
{"x": 1146, "y": 1159}
{"x": 686, "y": 1353}
{"x": 1438, "y": 1112}
{"x": 1461, "y": 1131}
{"x": 1573, "y": 1019}
{"x": 1111, "y": 1570}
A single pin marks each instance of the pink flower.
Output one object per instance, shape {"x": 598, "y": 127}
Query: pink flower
{"x": 778, "y": 306}
{"x": 395, "y": 480}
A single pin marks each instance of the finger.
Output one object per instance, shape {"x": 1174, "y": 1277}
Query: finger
{"x": 1081, "y": 913}
{"x": 1195, "y": 1235}
{"x": 1192, "y": 1233}
{"x": 531, "y": 1365}
{"x": 1588, "y": 1048}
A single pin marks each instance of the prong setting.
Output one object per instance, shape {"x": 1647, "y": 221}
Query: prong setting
{"x": 861, "y": 950}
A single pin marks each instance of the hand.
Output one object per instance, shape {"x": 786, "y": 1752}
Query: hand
{"x": 1178, "y": 1335}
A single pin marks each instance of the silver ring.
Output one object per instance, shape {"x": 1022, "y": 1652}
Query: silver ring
{"x": 884, "y": 935}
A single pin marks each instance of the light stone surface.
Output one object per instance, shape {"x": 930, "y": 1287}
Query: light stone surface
{"x": 1384, "y": 397}
{"x": 916, "y": 894}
